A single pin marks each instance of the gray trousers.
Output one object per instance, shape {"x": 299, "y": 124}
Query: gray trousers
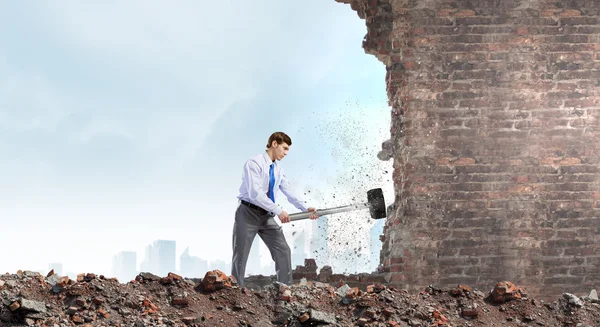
{"x": 249, "y": 222}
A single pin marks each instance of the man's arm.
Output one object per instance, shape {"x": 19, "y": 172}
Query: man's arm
{"x": 286, "y": 188}
{"x": 255, "y": 189}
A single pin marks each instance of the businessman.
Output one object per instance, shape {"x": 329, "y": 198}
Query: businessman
{"x": 262, "y": 175}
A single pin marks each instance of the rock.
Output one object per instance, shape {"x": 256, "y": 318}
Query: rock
{"x": 57, "y": 289}
{"x": 52, "y": 279}
{"x": 34, "y": 306}
{"x": 29, "y": 322}
{"x": 593, "y": 295}
{"x": 572, "y": 299}
{"x": 322, "y": 317}
{"x": 29, "y": 273}
{"x": 506, "y": 291}
{"x": 387, "y": 151}
{"x": 148, "y": 276}
{"x": 215, "y": 280}
{"x": 1, "y": 283}
{"x": 11, "y": 283}
{"x": 342, "y": 290}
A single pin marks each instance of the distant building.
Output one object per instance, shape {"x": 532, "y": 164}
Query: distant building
{"x": 57, "y": 266}
{"x": 299, "y": 250}
{"x": 124, "y": 266}
{"x": 319, "y": 245}
{"x": 192, "y": 267}
{"x": 253, "y": 265}
{"x": 160, "y": 258}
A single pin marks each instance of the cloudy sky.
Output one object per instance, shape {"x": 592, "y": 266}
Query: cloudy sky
{"x": 126, "y": 122}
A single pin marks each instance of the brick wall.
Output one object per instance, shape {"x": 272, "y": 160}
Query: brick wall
{"x": 495, "y": 133}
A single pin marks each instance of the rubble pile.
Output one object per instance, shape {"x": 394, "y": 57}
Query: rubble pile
{"x": 30, "y": 299}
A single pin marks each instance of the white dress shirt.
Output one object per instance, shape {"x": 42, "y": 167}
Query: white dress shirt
{"x": 255, "y": 184}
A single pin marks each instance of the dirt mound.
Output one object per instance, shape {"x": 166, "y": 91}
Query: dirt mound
{"x": 30, "y": 299}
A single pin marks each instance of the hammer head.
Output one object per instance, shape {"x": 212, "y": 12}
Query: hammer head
{"x": 376, "y": 201}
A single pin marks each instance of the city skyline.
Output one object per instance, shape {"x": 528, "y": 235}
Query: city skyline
{"x": 160, "y": 258}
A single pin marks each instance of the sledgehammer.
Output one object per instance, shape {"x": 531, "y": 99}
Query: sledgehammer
{"x": 375, "y": 203}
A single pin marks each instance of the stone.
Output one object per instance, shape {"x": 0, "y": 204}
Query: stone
{"x": 321, "y": 317}
{"x": 29, "y": 273}
{"x": 593, "y": 295}
{"x": 1, "y": 283}
{"x": 573, "y": 300}
{"x": 31, "y": 305}
{"x": 52, "y": 279}
{"x": 215, "y": 280}
{"x": 148, "y": 276}
{"x": 342, "y": 290}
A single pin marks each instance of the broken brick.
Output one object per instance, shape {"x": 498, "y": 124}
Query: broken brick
{"x": 180, "y": 301}
{"x": 506, "y": 291}
{"x": 304, "y": 317}
{"x": 104, "y": 313}
{"x": 174, "y": 276}
{"x": 63, "y": 281}
{"x": 286, "y": 296}
{"x": 215, "y": 280}
{"x": 14, "y": 306}
{"x": 98, "y": 300}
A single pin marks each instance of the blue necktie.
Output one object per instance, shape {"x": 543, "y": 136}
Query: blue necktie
{"x": 271, "y": 183}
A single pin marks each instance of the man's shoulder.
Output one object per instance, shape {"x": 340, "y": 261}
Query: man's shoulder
{"x": 256, "y": 159}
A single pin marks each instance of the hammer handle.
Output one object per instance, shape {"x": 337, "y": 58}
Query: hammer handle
{"x": 325, "y": 212}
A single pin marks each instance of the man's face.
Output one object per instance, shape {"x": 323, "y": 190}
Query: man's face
{"x": 280, "y": 150}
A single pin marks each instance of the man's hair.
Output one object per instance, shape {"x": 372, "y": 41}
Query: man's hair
{"x": 280, "y": 137}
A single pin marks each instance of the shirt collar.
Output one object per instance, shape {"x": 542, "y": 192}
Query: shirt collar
{"x": 268, "y": 159}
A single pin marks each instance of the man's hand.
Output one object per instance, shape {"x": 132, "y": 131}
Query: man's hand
{"x": 314, "y": 213}
{"x": 284, "y": 217}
